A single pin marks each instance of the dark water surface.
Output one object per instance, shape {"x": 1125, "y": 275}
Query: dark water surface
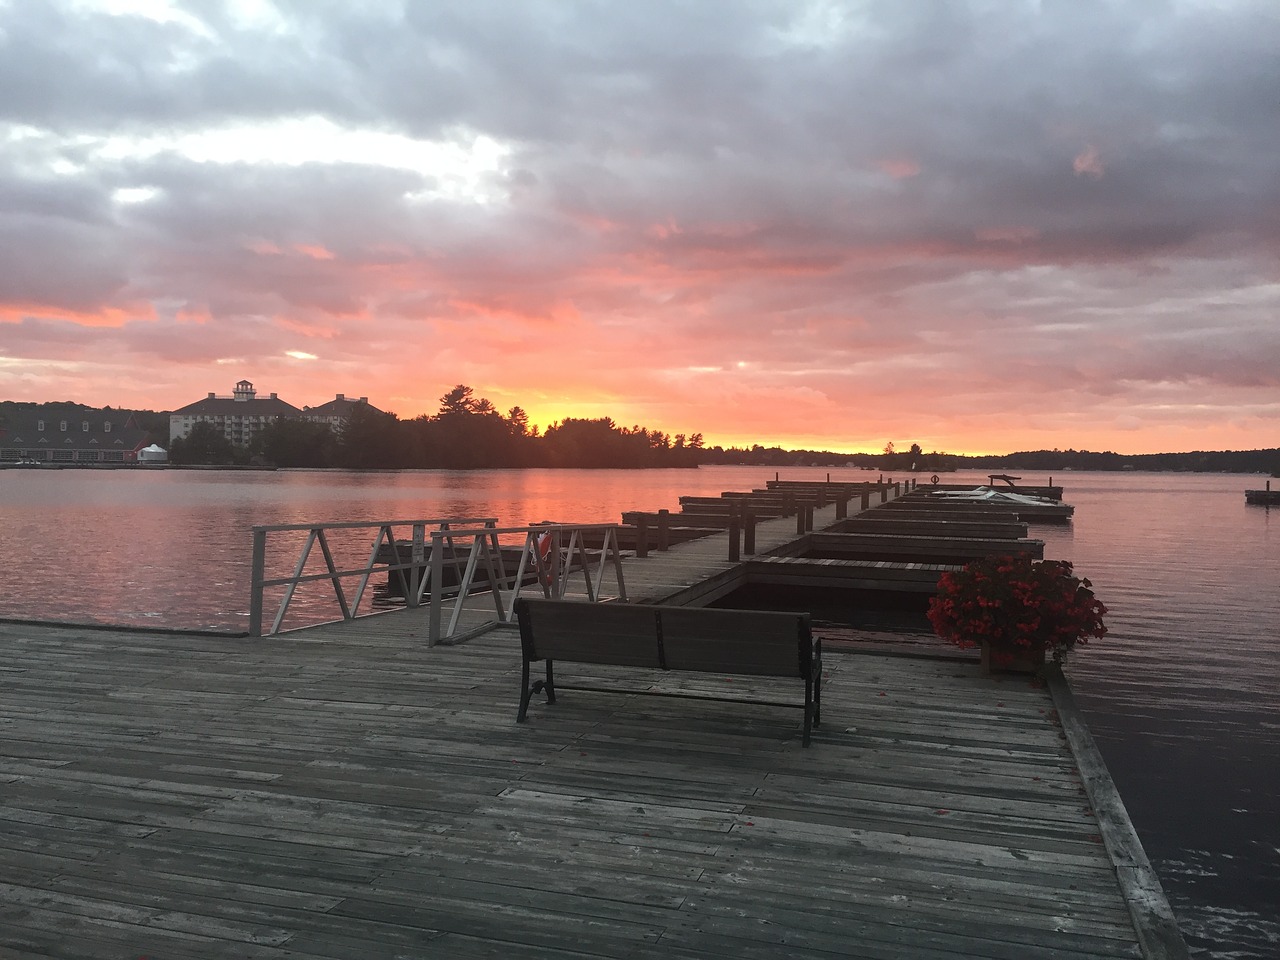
{"x": 1183, "y": 697}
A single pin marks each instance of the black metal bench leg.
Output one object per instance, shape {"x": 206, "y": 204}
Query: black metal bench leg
{"x": 527, "y": 690}
{"x": 817, "y": 698}
{"x": 808, "y": 710}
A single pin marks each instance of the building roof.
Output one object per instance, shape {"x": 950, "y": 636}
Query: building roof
{"x": 108, "y": 429}
{"x": 339, "y": 406}
{"x": 212, "y": 406}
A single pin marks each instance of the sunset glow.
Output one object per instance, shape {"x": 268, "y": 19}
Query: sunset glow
{"x": 980, "y": 228}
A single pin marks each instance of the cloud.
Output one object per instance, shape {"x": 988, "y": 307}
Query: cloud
{"x": 720, "y": 217}
{"x": 1088, "y": 164}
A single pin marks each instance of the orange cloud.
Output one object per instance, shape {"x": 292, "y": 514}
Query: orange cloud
{"x": 314, "y": 252}
{"x": 102, "y": 317}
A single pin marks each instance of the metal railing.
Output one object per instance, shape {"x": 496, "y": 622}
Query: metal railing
{"x": 550, "y": 556}
{"x": 406, "y": 569}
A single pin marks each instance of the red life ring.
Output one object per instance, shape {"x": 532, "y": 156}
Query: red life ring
{"x": 545, "y": 542}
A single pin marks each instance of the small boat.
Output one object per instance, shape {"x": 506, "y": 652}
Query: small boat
{"x": 1027, "y": 507}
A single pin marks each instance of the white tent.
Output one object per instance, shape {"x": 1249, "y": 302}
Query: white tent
{"x": 153, "y": 454}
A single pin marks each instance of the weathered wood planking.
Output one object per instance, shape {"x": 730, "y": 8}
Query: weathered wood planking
{"x": 347, "y": 792}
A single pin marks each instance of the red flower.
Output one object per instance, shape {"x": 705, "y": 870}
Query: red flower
{"x": 1016, "y": 603}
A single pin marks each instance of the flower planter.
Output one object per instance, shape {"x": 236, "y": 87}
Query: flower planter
{"x": 1020, "y": 660}
{"x": 1020, "y": 611}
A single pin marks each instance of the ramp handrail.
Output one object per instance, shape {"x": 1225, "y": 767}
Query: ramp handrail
{"x": 553, "y": 566}
{"x": 406, "y": 569}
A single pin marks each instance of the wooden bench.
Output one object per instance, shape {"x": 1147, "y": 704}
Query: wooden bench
{"x": 739, "y": 642}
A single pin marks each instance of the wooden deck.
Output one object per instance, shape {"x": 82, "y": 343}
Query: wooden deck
{"x": 347, "y": 792}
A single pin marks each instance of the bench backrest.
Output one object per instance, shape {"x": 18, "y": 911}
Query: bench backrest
{"x": 621, "y": 634}
{"x": 762, "y": 643}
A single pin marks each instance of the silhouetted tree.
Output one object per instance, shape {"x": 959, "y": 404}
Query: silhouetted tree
{"x": 371, "y": 439}
{"x": 292, "y": 442}
{"x": 204, "y": 444}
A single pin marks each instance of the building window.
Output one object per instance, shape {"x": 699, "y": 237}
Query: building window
{"x": 64, "y": 426}
{"x": 106, "y": 427}
{"x": 40, "y": 425}
{"x": 86, "y": 454}
{"x": 85, "y": 426}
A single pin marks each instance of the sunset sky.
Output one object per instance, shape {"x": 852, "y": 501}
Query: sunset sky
{"x": 978, "y": 226}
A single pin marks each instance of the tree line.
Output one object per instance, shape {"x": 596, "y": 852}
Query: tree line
{"x": 467, "y": 432}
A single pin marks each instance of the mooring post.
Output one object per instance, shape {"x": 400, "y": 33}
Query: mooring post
{"x": 808, "y": 518}
{"x": 748, "y": 533}
{"x": 664, "y": 517}
{"x": 437, "y": 592}
{"x": 734, "y": 530}
{"x": 799, "y": 520}
{"x": 842, "y": 506}
{"x": 257, "y": 576}
{"x": 642, "y": 536}
{"x": 417, "y": 560}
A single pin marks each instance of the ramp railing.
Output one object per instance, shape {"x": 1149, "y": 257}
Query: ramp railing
{"x": 551, "y": 555}
{"x": 406, "y": 561}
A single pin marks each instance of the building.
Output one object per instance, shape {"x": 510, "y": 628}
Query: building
{"x": 336, "y": 411}
{"x": 69, "y": 433}
{"x": 239, "y": 416}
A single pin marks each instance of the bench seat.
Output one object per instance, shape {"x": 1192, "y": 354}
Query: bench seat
{"x": 702, "y": 639}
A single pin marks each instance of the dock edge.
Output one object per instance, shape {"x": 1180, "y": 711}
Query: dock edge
{"x": 1158, "y": 934}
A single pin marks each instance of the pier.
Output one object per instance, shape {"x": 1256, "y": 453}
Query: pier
{"x": 347, "y": 791}
{"x": 1265, "y": 497}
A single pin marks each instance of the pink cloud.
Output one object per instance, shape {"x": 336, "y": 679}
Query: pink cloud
{"x": 1088, "y": 163}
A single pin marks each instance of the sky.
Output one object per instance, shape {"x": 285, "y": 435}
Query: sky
{"x": 982, "y": 227}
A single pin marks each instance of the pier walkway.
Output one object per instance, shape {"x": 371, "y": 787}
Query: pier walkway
{"x": 176, "y": 796}
{"x": 346, "y": 791}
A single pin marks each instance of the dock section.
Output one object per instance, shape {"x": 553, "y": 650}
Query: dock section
{"x": 345, "y": 792}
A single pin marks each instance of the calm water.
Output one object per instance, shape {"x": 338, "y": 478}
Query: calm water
{"x": 1182, "y": 697}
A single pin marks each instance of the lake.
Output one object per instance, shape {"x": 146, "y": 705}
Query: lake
{"x": 1182, "y": 697}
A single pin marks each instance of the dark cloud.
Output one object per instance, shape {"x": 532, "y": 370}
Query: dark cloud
{"x": 809, "y": 189}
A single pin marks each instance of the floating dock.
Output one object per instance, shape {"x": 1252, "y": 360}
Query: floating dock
{"x": 346, "y": 791}
{"x": 1267, "y": 497}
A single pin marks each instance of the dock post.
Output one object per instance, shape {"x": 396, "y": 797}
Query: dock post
{"x": 257, "y": 576}
{"x": 664, "y": 518}
{"x": 417, "y": 559}
{"x": 642, "y": 536}
{"x": 866, "y": 499}
{"x": 437, "y": 594}
{"x": 842, "y": 507}
{"x": 734, "y": 531}
{"x": 808, "y": 518}
{"x": 884, "y": 494}
{"x": 748, "y": 533}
